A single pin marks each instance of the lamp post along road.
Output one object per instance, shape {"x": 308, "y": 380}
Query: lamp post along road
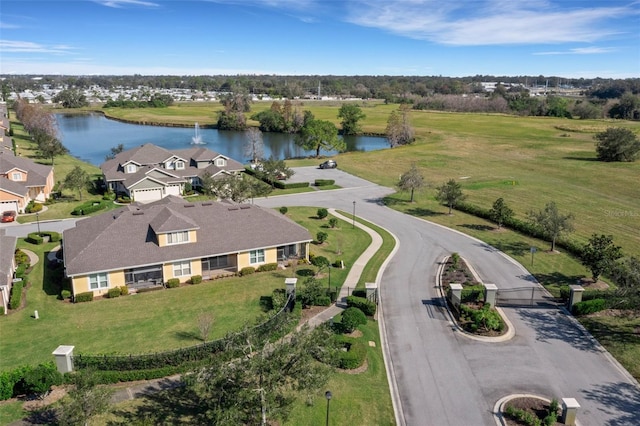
{"x": 328, "y": 395}
{"x": 38, "y": 220}
{"x": 354, "y": 215}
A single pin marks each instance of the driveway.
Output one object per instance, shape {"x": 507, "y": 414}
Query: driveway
{"x": 444, "y": 378}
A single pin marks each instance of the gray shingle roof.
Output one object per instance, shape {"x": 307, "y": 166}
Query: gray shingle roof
{"x": 7, "y": 248}
{"x": 36, "y": 173}
{"x": 13, "y": 187}
{"x": 125, "y": 238}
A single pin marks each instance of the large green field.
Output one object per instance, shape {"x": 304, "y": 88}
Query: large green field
{"x": 528, "y": 161}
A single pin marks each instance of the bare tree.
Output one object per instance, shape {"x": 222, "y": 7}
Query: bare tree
{"x": 254, "y": 146}
{"x": 399, "y": 130}
{"x": 205, "y": 322}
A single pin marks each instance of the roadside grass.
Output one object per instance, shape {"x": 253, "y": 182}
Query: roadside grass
{"x": 154, "y": 321}
{"x": 10, "y": 411}
{"x": 619, "y": 335}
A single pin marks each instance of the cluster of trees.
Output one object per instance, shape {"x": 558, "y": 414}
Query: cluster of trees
{"x": 41, "y": 126}
{"x": 71, "y": 98}
{"x": 155, "y": 101}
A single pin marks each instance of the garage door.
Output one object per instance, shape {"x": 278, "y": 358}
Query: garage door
{"x": 8, "y": 205}
{"x": 147, "y": 194}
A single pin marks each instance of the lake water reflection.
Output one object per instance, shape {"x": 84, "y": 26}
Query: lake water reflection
{"x": 90, "y": 137}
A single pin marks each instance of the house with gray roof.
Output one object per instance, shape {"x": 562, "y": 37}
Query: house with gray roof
{"x": 22, "y": 180}
{"x": 149, "y": 172}
{"x": 7, "y": 268}
{"x": 147, "y": 244}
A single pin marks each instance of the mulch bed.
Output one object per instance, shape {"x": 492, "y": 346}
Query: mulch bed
{"x": 533, "y": 405}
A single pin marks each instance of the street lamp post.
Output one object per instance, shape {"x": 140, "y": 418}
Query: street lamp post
{"x": 328, "y": 395}
{"x": 354, "y": 215}
{"x": 38, "y": 221}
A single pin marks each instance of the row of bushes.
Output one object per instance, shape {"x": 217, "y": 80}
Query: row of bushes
{"x": 16, "y": 295}
{"x": 89, "y": 207}
{"x": 37, "y": 237}
{"x": 248, "y": 270}
{"x": 33, "y": 207}
{"x": 589, "y": 307}
{"x": 362, "y": 303}
{"x": 27, "y": 380}
{"x": 484, "y": 318}
{"x": 524, "y": 227}
{"x": 117, "y": 292}
{"x": 290, "y": 185}
{"x": 87, "y": 296}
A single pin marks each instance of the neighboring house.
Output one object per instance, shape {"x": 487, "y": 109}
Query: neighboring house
{"x": 148, "y": 244}
{"x": 7, "y": 268}
{"x": 23, "y": 180}
{"x": 149, "y": 172}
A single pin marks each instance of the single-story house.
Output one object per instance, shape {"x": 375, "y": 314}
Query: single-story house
{"x": 23, "y": 180}
{"x": 7, "y": 268}
{"x": 148, "y": 244}
{"x": 149, "y": 172}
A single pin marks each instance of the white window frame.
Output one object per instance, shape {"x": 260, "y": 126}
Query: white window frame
{"x": 180, "y": 237}
{"x": 179, "y": 165}
{"x": 16, "y": 176}
{"x": 220, "y": 162}
{"x": 256, "y": 256}
{"x": 100, "y": 280}
{"x": 131, "y": 168}
{"x": 181, "y": 269}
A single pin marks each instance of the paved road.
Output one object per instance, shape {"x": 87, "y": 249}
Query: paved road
{"x": 444, "y": 378}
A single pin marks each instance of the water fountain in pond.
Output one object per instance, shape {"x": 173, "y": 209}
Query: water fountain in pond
{"x": 197, "y": 139}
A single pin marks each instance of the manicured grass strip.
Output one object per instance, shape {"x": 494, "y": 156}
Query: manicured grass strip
{"x": 11, "y": 411}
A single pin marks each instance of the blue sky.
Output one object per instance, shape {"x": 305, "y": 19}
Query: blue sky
{"x": 454, "y": 38}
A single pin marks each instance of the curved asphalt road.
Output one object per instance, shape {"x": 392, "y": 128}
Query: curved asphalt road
{"x": 444, "y": 378}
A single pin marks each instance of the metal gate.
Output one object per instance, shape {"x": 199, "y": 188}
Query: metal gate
{"x": 527, "y": 297}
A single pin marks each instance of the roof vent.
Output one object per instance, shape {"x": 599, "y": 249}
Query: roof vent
{"x": 138, "y": 213}
{"x": 207, "y": 204}
{"x": 234, "y": 208}
{"x": 189, "y": 205}
{"x": 244, "y": 207}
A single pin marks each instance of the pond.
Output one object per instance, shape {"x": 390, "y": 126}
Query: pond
{"x": 90, "y": 137}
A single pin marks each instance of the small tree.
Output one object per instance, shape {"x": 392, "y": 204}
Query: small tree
{"x": 412, "y": 180}
{"x": 552, "y": 224}
{"x": 617, "y": 144}
{"x": 320, "y": 134}
{"x": 500, "y": 212}
{"x": 600, "y": 254}
{"x": 254, "y": 146}
{"x": 205, "y": 322}
{"x": 350, "y": 114}
{"x": 322, "y": 213}
{"x": 273, "y": 168}
{"x": 321, "y": 237}
{"x": 311, "y": 290}
{"x": 450, "y": 194}
{"x": 333, "y": 222}
{"x": 399, "y": 131}
{"x": 78, "y": 179}
{"x": 352, "y": 318}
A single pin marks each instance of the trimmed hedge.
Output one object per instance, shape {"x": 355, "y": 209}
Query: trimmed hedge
{"x": 323, "y": 301}
{"x": 472, "y": 293}
{"x": 173, "y": 282}
{"x": 369, "y": 308}
{"x": 324, "y": 182}
{"x": 247, "y": 270}
{"x": 352, "y": 318}
{"x": 34, "y": 238}
{"x": 33, "y": 207}
{"x": 54, "y": 237}
{"x": 87, "y": 296}
{"x": 124, "y": 290}
{"x": 354, "y": 356}
{"x": 267, "y": 267}
{"x": 89, "y": 207}
{"x": 113, "y": 293}
{"x": 589, "y": 307}
{"x": 27, "y": 379}
{"x": 16, "y": 295}
{"x": 21, "y": 257}
{"x": 291, "y": 185}
{"x": 196, "y": 279}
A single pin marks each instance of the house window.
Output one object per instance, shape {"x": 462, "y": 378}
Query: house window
{"x": 131, "y": 168}
{"x": 285, "y": 252}
{"x": 212, "y": 263}
{"x": 256, "y": 256}
{"x": 16, "y": 176}
{"x": 220, "y": 162}
{"x": 98, "y": 281}
{"x": 178, "y": 237}
{"x": 181, "y": 269}
{"x": 179, "y": 165}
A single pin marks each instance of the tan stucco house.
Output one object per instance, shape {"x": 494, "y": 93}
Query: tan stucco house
{"x": 23, "y": 180}
{"x": 7, "y": 267}
{"x": 149, "y": 172}
{"x": 147, "y": 244}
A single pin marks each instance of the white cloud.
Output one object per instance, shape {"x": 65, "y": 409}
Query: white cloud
{"x": 487, "y": 22}
{"x": 7, "y": 26}
{"x": 580, "y": 51}
{"x": 125, "y": 3}
{"x": 16, "y": 46}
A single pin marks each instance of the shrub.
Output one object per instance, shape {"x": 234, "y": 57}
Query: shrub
{"x": 16, "y": 295}
{"x": 320, "y": 261}
{"x": 83, "y": 297}
{"x": 173, "y": 282}
{"x": 321, "y": 237}
{"x": 312, "y": 289}
{"x": 283, "y": 210}
{"x": 34, "y": 238}
{"x": 474, "y": 293}
{"x": 355, "y": 354}
{"x": 291, "y": 185}
{"x": 89, "y": 207}
{"x": 196, "y": 279}
{"x": 267, "y": 267}
{"x": 589, "y": 306}
{"x": 351, "y": 318}
{"x": 278, "y": 298}
{"x": 54, "y": 237}
{"x": 40, "y": 379}
{"x": 366, "y": 306}
{"x": 333, "y": 222}
{"x": 485, "y": 318}
{"x": 247, "y": 270}
{"x": 21, "y": 257}
{"x": 113, "y": 292}
{"x": 33, "y": 207}
{"x": 323, "y": 301}
{"x": 124, "y": 290}
{"x": 322, "y": 213}
{"x": 337, "y": 263}
{"x": 333, "y": 295}
{"x": 324, "y": 182}
{"x": 65, "y": 294}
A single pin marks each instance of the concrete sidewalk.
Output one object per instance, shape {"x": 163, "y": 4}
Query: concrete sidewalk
{"x": 137, "y": 390}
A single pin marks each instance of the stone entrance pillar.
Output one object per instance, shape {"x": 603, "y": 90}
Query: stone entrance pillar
{"x": 372, "y": 292}
{"x": 569, "y": 411}
{"x": 456, "y": 293}
{"x": 64, "y": 358}
{"x": 290, "y": 283}
{"x": 490, "y": 291}
{"x": 575, "y": 296}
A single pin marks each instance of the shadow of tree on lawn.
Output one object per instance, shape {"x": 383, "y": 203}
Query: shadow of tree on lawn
{"x": 477, "y": 227}
{"x": 558, "y": 278}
